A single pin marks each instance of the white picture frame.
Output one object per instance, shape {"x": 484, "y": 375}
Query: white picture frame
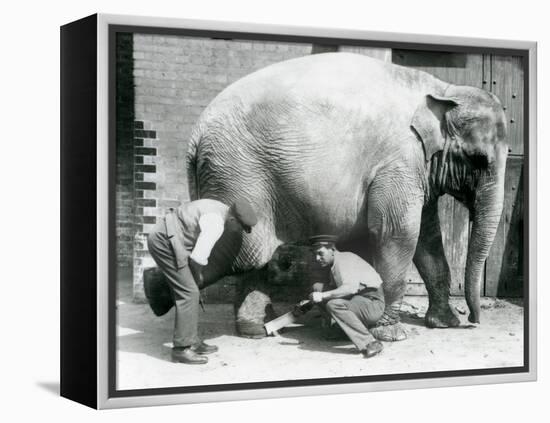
{"x": 98, "y": 388}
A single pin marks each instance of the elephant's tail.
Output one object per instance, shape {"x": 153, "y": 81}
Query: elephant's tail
{"x": 192, "y": 163}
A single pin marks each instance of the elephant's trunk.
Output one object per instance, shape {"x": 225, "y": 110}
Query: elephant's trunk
{"x": 487, "y": 210}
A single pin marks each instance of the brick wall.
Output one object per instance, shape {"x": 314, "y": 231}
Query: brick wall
{"x": 175, "y": 78}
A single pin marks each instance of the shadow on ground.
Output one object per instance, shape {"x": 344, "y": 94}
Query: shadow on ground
{"x": 308, "y": 335}
{"x": 301, "y": 352}
{"x": 140, "y": 331}
{"x": 50, "y": 387}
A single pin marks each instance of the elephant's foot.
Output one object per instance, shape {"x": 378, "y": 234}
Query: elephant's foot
{"x": 390, "y": 333}
{"x": 441, "y": 317}
{"x": 254, "y": 311}
{"x": 388, "y": 327}
{"x": 250, "y": 329}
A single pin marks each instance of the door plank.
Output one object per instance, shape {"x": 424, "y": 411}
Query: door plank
{"x": 504, "y": 266}
{"x": 507, "y": 85}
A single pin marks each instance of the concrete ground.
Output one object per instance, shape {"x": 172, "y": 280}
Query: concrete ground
{"x": 300, "y": 352}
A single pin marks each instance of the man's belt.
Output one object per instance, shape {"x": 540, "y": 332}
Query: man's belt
{"x": 372, "y": 292}
{"x": 172, "y": 233}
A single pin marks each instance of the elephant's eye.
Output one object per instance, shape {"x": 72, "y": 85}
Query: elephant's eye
{"x": 478, "y": 161}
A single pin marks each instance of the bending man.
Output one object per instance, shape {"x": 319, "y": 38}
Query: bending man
{"x": 181, "y": 243}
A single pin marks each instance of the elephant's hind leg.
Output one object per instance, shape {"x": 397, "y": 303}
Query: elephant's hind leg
{"x": 252, "y": 305}
{"x": 288, "y": 276}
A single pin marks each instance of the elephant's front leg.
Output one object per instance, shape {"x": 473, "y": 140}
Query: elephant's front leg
{"x": 432, "y": 265}
{"x": 392, "y": 263}
{"x": 394, "y": 215}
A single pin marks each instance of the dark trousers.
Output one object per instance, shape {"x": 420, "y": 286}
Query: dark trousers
{"x": 182, "y": 285}
{"x": 355, "y": 315}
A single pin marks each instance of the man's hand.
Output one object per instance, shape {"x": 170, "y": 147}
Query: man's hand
{"x": 316, "y": 297}
{"x": 196, "y": 270}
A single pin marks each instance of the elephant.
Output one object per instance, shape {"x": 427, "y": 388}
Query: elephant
{"x": 344, "y": 144}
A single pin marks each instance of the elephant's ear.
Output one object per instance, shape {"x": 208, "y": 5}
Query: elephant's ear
{"x": 427, "y": 122}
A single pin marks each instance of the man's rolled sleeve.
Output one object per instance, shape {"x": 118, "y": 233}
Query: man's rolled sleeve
{"x": 211, "y": 225}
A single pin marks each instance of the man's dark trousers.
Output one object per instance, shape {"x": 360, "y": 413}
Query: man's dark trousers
{"x": 355, "y": 315}
{"x": 182, "y": 285}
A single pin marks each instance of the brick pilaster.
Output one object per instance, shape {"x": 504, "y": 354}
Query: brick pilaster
{"x": 145, "y": 200}
{"x": 124, "y": 151}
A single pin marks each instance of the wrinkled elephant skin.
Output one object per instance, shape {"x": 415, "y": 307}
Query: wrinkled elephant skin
{"x": 344, "y": 144}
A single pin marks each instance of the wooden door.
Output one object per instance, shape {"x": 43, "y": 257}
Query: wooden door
{"x": 504, "y": 266}
{"x": 502, "y": 75}
{"x": 460, "y": 69}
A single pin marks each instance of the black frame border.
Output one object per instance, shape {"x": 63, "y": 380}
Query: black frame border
{"x": 78, "y": 211}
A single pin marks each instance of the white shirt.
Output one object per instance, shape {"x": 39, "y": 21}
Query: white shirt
{"x": 351, "y": 270}
{"x": 211, "y": 226}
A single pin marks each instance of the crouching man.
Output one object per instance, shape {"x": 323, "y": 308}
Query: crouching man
{"x": 181, "y": 243}
{"x": 353, "y": 297}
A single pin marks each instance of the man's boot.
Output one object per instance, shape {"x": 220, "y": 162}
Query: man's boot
{"x": 203, "y": 348}
{"x": 187, "y": 355}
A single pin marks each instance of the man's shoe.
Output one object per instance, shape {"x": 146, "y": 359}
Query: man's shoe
{"x": 203, "y": 348}
{"x": 373, "y": 348}
{"x": 187, "y": 356}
